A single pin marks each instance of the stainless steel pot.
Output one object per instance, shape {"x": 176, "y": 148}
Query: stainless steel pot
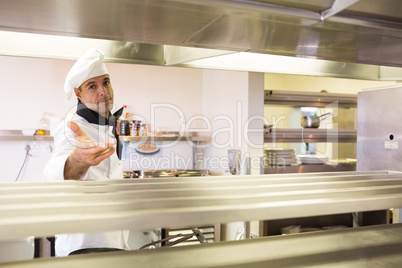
{"x": 313, "y": 121}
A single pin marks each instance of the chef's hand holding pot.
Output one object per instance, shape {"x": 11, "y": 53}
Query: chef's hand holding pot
{"x": 87, "y": 153}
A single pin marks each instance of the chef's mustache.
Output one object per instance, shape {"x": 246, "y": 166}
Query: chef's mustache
{"x": 103, "y": 100}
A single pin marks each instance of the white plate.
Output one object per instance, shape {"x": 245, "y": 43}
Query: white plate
{"x": 279, "y": 156}
{"x": 313, "y": 159}
{"x": 281, "y": 161}
{"x": 290, "y": 159}
{"x": 280, "y": 150}
{"x": 276, "y": 154}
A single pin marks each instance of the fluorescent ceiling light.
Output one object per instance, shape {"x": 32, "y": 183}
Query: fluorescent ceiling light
{"x": 256, "y": 62}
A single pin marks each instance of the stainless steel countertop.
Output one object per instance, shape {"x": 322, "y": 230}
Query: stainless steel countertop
{"x": 48, "y": 208}
{"x": 375, "y": 246}
{"x": 309, "y": 168}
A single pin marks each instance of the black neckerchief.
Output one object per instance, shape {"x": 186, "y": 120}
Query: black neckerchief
{"x": 95, "y": 118}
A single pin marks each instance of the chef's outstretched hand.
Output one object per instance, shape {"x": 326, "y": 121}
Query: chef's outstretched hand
{"x": 86, "y": 154}
{"x": 90, "y": 152}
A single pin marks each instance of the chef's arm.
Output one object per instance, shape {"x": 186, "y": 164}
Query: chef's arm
{"x": 74, "y": 169}
{"x": 86, "y": 154}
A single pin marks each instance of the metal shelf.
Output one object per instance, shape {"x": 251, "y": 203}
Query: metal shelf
{"x": 17, "y": 135}
{"x": 40, "y": 209}
{"x": 37, "y": 208}
{"x": 313, "y": 99}
{"x": 308, "y": 168}
{"x": 25, "y": 138}
{"x": 309, "y": 135}
{"x": 169, "y": 136}
{"x": 161, "y": 138}
{"x": 374, "y": 246}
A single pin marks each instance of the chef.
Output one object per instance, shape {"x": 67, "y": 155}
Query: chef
{"x": 87, "y": 146}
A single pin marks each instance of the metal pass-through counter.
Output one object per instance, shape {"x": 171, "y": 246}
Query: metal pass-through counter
{"x": 43, "y": 209}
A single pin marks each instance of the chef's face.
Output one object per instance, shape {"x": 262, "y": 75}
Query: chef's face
{"x": 97, "y": 94}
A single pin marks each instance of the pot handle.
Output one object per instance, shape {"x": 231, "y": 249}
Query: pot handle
{"x": 326, "y": 115}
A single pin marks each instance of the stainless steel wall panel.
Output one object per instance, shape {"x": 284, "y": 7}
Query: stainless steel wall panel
{"x": 379, "y": 132}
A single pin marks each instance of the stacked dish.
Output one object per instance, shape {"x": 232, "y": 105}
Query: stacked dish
{"x": 313, "y": 159}
{"x": 279, "y": 157}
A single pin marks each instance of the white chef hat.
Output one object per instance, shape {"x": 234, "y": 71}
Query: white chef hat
{"x": 87, "y": 66}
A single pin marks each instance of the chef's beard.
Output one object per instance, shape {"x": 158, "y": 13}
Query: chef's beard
{"x": 102, "y": 108}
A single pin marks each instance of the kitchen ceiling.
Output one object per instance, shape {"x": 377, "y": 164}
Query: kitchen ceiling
{"x": 177, "y": 32}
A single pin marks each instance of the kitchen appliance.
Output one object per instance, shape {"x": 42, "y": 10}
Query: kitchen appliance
{"x": 378, "y": 136}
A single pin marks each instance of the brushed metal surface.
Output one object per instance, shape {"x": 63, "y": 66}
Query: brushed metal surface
{"x": 47, "y": 208}
{"x": 309, "y": 99}
{"x": 374, "y": 246}
{"x": 378, "y": 123}
{"x": 309, "y": 135}
{"x": 365, "y": 31}
{"x": 308, "y": 168}
{"x": 67, "y": 47}
{"x": 257, "y": 62}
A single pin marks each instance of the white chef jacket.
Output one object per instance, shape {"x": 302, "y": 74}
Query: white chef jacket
{"x": 110, "y": 168}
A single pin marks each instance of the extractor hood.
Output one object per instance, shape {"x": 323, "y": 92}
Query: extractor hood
{"x": 339, "y": 38}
